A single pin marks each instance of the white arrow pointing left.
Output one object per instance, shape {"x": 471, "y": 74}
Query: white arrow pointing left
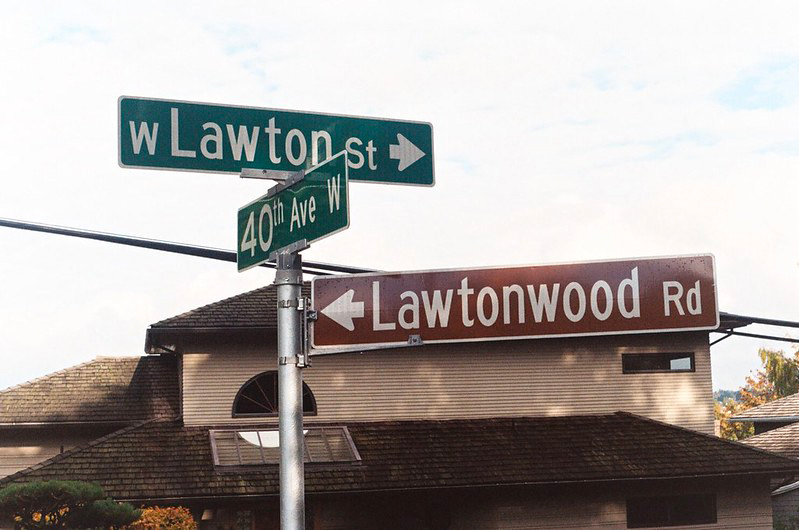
{"x": 342, "y": 310}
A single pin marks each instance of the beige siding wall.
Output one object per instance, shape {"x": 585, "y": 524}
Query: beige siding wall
{"x": 741, "y": 505}
{"x": 786, "y": 506}
{"x": 525, "y": 378}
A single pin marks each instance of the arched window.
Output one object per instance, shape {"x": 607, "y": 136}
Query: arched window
{"x": 259, "y": 397}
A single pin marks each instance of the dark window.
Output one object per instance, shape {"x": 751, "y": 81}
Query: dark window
{"x": 259, "y": 397}
{"x": 634, "y": 363}
{"x": 675, "y": 510}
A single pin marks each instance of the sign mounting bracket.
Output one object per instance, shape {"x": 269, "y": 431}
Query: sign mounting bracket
{"x": 265, "y": 174}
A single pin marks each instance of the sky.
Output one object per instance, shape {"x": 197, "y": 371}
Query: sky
{"x": 563, "y": 131}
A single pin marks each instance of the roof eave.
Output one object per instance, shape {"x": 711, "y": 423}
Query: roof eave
{"x": 510, "y": 484}
{"x": 766, "y": 419}
{"x": 170, "y": 339}
{"x": 61, "y": 422}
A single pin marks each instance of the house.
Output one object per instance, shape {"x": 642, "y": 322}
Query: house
{"x": 60, "y": 411}
{"x": 772, "y": 415}
{"x": 777, "y": 431}
{"x": 614, "y": 431}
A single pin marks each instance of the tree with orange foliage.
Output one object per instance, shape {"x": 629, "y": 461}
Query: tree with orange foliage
{"x": 778, "y": 378}
{"x": 166, "y": 518}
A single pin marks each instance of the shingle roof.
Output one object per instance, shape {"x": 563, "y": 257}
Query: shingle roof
{"x": 163, "y": 460}
{"x": 783, "y": 441}
{"x": 253, "y": 309}
{"x": 258, "y": 309}
{"x": 787, "y": 407}
{"x": 107, "y": 389}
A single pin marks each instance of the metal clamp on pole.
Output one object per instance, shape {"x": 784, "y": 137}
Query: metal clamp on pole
{"x": 282, "y": 361}
{"x": 415, "y": 340}
{"x": 297, "y": 246}
{"x": 290, "y": 180}
{"x": 308, "y": 316}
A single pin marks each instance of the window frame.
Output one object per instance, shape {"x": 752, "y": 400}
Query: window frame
{"x": 325, "y": 431}
{"x": 670, "y": 356}
{"x": 306, "y": 391}
{"x": 678, "y": 510}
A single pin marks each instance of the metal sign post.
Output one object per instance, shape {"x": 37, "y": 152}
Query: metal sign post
{"x": 309, "y": 204}
{"x": 288, "y": 280}
{"x": 306, "y": 206}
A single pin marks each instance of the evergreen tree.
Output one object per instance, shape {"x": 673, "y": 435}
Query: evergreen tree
{"x": 63, "y": 504}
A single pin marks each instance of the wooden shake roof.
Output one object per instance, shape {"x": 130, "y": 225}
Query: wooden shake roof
{"x": 107, "y": 389}
{"x": 783, "y": 441}
{"x": 165, "y": 460}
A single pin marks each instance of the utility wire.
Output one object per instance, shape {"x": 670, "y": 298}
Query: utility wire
{"x": 310, "y": 267}
{"x": 767, "y": 321}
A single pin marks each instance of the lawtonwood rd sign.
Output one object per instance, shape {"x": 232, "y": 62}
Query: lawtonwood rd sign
{"x": 610, "y": 297}
{"x": 186, "y": 136}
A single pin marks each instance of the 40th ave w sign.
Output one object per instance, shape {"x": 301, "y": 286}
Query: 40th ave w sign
{"x": 309, "y": 209}
{"x": 180, "y": 135}
{"x": 627, "y": 296}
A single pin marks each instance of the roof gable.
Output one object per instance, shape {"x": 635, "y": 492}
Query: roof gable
{"x": 105, "y": 390}
{"x": 253, "y": 309}
{"x": 251, "y": 312}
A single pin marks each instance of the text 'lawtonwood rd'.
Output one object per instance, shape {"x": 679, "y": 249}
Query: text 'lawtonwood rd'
{"x": 645, "y": 295}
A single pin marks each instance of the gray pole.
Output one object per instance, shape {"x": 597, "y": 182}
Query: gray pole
{"x": 289, "y": 379}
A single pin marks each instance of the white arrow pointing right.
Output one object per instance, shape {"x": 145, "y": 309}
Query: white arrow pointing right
{"x": 405, "y": 152}
{"x": 342, "y": 310}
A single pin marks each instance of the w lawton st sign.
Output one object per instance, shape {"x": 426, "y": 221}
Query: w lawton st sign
{"x": 627, "y": 296}
{"x": 186, "y": 136}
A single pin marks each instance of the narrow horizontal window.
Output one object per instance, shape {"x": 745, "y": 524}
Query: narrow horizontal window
{"x": 635, "y": 363}
{"x": 673, "y": 510}
{"x": 245, "y": 447}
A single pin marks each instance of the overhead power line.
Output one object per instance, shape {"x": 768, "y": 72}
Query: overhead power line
{"x": 760, "y": 320}
{"x": 311, "y": 267}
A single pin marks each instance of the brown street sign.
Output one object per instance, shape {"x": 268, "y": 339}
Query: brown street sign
{"x": 643, "y": 295}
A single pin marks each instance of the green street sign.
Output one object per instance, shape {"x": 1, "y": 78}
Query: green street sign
{"x": 304, "y": 208}
{"x": 185, "y": 136}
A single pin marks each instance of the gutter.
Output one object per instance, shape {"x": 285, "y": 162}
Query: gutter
{"x": 455, "y": 487}
{"x": 767, "y": 419}
{"x": 57, "y": 423}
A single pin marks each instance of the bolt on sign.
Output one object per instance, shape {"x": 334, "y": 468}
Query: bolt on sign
{"x": 308, "y": 208}
{"x": 643, "y": 295}
{"x": 186, "y": 136}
